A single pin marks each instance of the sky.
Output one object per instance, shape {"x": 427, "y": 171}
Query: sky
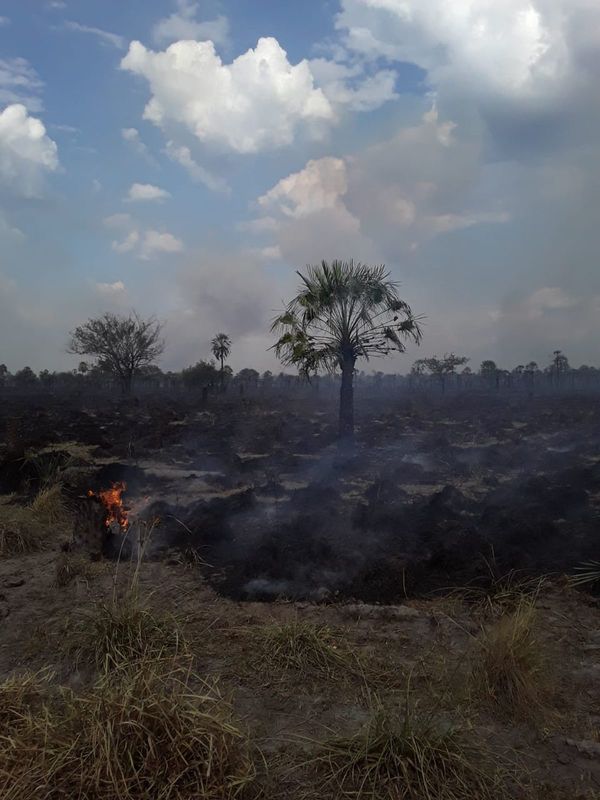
{"x": 184, "y": 158}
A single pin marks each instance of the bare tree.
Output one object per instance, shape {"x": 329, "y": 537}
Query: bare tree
{"x": 122, "y": 345}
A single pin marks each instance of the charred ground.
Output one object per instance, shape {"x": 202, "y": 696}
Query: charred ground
{"x": 399, "y": 577}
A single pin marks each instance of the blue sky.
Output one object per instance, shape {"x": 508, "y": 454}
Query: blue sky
{"x": 184, "y": 158}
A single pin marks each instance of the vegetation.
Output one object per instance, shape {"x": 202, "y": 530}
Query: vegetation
{"x": 221, "y": 349}
{"x": 124, "y": 632}
{"x": 27, "y": 529}
{"x": 441, "y": 368}
{"x": 390, "y": 759}
{"x": 509, "y": 668}
{"x": 343, "y": 311}
{"x": 153, "y": 735}
{"x": 122, "y": 345}
{"x": 309, "y": 649}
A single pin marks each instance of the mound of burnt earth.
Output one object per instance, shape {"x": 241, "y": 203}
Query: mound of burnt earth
{"x": 320, "y": 544}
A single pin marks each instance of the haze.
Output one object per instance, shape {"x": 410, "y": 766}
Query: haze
{"x": 183, "y": 159}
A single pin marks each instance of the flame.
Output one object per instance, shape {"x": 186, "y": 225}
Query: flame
{"x": 113, "y": 502}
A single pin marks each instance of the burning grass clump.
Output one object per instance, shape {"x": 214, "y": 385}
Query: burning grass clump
{"x": 303, "y": 647}
{"x": 509, "y": 668}
{"x": 153, "y": 736}
{"x": 390, "y": 759}
{"x": 123, "y": 633}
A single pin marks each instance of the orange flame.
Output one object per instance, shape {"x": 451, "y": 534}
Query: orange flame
{"x": 113, "y": 502}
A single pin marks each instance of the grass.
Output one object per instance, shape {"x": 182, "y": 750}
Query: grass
{"x": 509, "y": 667}
{"x": 71, "y": 566}
{"x": 303, "y": 647}
{"x": 31, "y": 528}
{"x": 152, "y": 736}
{"x": 587, "y": 574}
{"x": 124, "y": 632}
{"x": 49, "y": 506}
{"x": 390, "y": 759}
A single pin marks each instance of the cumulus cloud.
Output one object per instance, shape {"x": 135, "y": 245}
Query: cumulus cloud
{"x": 259, "y": 101}
{"x": 527, "y": 67}
{"x": 26, "y": 151}
{"x": 347, "y": 86}
{"x": 154, "y": 243}
{"x": 512, "y": 47}
{"x": 183, "y": 24}
{"x": 182, "y": 155}
{"x": 145, "y": 192}
{"x": 145, "y": 244}
{"x": 383, "y": 202}
{"x": 20, "y": 83}
{"x": 320, "y": 185}
{"x": 104, "y": 37}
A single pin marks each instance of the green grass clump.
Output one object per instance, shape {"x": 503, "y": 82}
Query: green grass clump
{"x": 389, "y": 759}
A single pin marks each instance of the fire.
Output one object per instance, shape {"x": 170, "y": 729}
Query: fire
{"x": 113, "y": 502}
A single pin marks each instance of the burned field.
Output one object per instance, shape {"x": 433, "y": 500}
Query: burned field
{"x": 419, "y": 577}
{"x": 434, "y": 496}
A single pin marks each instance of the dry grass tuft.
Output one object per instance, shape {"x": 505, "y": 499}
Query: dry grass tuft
{"x": 28, "y": 529}
{"x": 304, "y": 647}
{"x": 392, "y": 760}
{"x": 21, "y": 532}
{"x": 124, "y": 633}
{"x": 71, "y": 566}
{"x": 508, "y": 666}
{"x": 49, "y": 506}
{"x": 153, "y": 736}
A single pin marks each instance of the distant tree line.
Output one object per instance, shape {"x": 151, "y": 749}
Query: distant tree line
{"x": 343, "y": 312}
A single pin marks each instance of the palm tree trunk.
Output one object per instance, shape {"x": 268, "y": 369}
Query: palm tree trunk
{"x": 222, "y": 375}
{"x": 346, "y": 430}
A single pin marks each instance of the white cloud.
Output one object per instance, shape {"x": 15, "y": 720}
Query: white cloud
{"x": 4, "y": 21}
{"x": 144, "y": 244}
{"x": 26, "y": 152}
{"x": 348, "y": 87}
{"x": 183, "y": 156}
{"x": 259, "y": 101}
{"x": 318, "y": 186}
{"x": 19, "y": 83}
{"x": 111, "y": 289}
{"x": 183, "y": 24}
{"x": 377, "y": 204}
{"x": 105, "y": 37}
{"x": 144, "y": 192}
{"x": 532, "y": 56}
{"x": 156, "y": 242}
{"x": 128, "y": 244}
{"x": 134, "y": 140}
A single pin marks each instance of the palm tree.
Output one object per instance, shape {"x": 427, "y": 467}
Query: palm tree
{"x": 342, "y": 312}
{"x": 221, "y": 348}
